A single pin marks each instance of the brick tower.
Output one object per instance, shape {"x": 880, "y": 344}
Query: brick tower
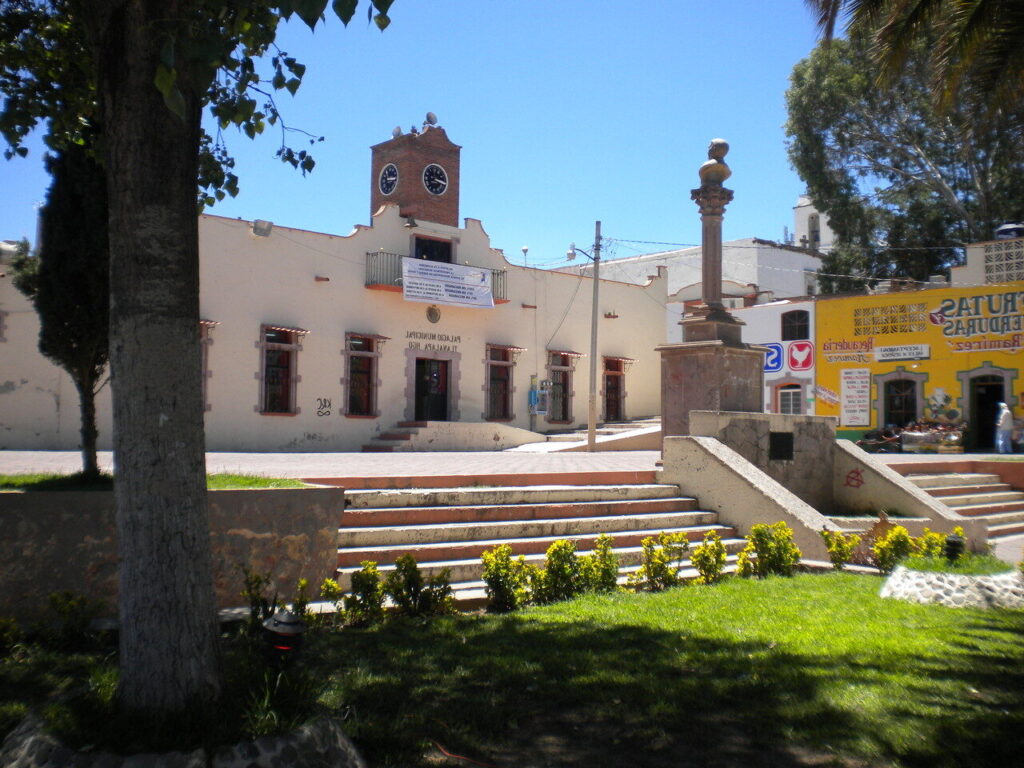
{"x": 418, "y": 171}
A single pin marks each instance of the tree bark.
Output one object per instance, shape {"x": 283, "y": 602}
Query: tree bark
{"x": 166, "y": 610}
{"x": 87, "y": 411}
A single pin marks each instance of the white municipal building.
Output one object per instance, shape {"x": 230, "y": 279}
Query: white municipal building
{"x": 320, "y": 342}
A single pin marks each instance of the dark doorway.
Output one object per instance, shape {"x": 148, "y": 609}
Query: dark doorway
{"x": 431, "y": 390}
{"x": 986, "y": 393}
{"x": 900, "y": 402}
{"x": 613, "y": 390}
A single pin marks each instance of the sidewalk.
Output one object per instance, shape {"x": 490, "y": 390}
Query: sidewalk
{"x": 400, "y": 464}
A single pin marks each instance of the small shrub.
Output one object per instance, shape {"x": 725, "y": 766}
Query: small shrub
{"x": 929, "y": 544}
{"x": 416, "y": 596}
{"x": 254, "y": 590}
{"x": 366, "y": 603}
{"x": 562, "y": 577}
{"x": 660, "y": 562}
{"x": 600, "y": 569}
{"x": 10, "y": 635}
{"x": 709, "y": 558}
{"x": 894, "y": 546}
{"x": 507, "y": 579}
{"x": 67, "y": 627}
{"x": 841, "y": 547}
{"x": 769, "y": 551}
{"x": 300, "y": 605}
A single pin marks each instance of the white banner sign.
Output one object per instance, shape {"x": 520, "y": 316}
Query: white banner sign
{"x": 435, "y": 282}
{"x": 903, "y": 352}
{"x": 855, "y": 398}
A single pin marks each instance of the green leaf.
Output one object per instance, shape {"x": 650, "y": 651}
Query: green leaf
{"x": 383, "y": 6}
{"x": 381, "y": 21}
{"x": 278, "y": 81}
{"x": 293, "y": 85}
{"x": 310, "y": 11}
{"x": 345, "y": 10}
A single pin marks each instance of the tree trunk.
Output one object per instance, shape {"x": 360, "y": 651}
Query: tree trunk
{"x": 87, "y": 411}
{"x": 167, "y": 614}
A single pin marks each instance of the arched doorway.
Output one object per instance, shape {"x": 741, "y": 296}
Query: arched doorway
{"x": 986, "y": 392}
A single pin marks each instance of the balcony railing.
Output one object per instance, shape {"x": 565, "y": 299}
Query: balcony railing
{"x": 385, "y": 269}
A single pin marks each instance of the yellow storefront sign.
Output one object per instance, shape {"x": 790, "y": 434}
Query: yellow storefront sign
{"x": 946, "y": 355}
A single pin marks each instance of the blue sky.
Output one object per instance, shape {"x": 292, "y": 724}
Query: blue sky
{"x": 567, "y": 111}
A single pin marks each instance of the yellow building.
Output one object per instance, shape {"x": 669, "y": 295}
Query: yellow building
{"x": 946, "y": 354}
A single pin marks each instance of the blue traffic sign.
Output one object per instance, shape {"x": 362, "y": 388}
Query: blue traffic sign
{"x": 774, "y": 358}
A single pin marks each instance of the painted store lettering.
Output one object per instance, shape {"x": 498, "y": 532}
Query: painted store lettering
{"x": 977, "y": 315}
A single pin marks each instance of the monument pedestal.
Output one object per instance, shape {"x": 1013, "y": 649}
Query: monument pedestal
{"x": 711, "y": 370}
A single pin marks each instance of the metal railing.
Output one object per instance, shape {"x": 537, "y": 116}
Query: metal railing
{"x": 383, "y": 268}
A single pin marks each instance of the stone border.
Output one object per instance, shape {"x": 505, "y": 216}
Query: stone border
{"x": 1000, "y": 590}
{"x": 320, "y": 743}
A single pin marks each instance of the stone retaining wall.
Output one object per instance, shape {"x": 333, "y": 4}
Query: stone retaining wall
{"x": 1000, "y": 590}
{"x": 57, "y": 541}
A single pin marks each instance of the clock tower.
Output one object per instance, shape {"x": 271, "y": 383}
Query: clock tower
{"x": 419, "y": 172}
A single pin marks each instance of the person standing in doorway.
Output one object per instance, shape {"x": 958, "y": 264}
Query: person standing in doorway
{"x": 1004, "y": 428}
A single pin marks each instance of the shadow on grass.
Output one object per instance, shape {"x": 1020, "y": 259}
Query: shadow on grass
{"x": 516, "y": 692}
{"x": 513, "y": 693}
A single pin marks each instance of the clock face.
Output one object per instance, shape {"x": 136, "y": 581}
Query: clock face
{"x": 435, "y": 179}
{"x": 388, "y": 179}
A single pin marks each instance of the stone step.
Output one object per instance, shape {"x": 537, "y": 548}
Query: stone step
{"x": 430, "y": 553}
{"x": 470, "y": 569}
{"x": 1008, "y": 516}
{"x": 974, "y": 499}
{"x": 984, "y": 510}
{"x": 508, "y": 513}
{"x": 1000, "y": 530}
{"x": 369, "y": 537}
{"x": 576, "y": 479}
{"x": 952, "y": 479}
{"x": 533, "y": 494}
{"x": 940, "y": 492}
{"x": 381, "y": 447}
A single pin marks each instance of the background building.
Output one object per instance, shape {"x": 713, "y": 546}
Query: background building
{"x": 315, "y": 341}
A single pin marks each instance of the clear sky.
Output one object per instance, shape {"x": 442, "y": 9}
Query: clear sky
{"x": 567, "y": 111}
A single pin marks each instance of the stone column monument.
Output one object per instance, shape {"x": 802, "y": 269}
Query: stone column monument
{"x": 712, "y": 369}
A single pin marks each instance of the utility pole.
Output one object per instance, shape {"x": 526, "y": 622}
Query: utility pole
{"x": 592, "y": 411}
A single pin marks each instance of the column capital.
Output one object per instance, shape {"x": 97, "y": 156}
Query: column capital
{"x": 711, "y": 199}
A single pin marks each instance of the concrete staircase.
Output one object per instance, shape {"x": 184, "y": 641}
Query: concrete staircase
{"x": 449, "y": 527}
{"x": 395, "y": 439}
{"x": 980, "y": 496}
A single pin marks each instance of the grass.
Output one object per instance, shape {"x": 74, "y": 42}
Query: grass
{"x": 968, "y": 564}
{"x": 217, "y": 482}
{"x": 816, "y": 670}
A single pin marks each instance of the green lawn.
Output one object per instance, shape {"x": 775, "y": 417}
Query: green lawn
{"x": 219, "y": 482}
{"x": 815, "y": 670}
{"x": 810, "y": 671}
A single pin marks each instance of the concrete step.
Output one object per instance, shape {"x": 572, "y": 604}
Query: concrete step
{"x": 941, "y": 492}
{"x": 534, "y": 494}
{"x": 974, "y": 499}
{"x": 576, "y": 479}
{"x": 927, "y": 481}
{"x": 461, "y": 550}
{"x": 1000, "y": 530}
{"x": 508, "y": 513}
{"x": 376, "y": 536}
{"x": 985, "y": 510}
{"x": 470, "y": 569}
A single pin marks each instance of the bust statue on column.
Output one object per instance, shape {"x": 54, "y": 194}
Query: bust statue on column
{"x": 711, "y": 320}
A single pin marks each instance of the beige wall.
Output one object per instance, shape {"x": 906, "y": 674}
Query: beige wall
{"x": 247, "y": 281}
